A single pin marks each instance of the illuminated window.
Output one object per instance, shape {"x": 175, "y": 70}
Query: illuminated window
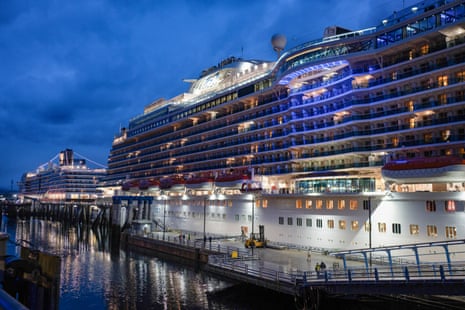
{"x": 396, "y": 228}
{"x": 289, "y": 221}
{"x": 265, "y": 203}
{"x": 319, "y": 223}
{"x": 367, "y": 226}
{"x": 451, "y": 232}
{"x": 414, "y": 229}
{"x": 298, "y": 204}
{"x": 430, "y": 206}
{"x": 354, "y": 225}
{"x": 341, "y": 205}
{"x": 460, "y": 76}
{"x": 353, "y": 205}
{"x": 443, "y": 80}
{"x": 382, "y": 227}
{"x": 308, "y": 222}
{"x": 308, "y": 204}
{"x": 331, "y": 224}
{"x": 298, "y": 221}
{"x": 449, "y": 205}
{"x": 329, "y": 204}
{"x": 424, "y": 49}
{"x": 431, "y": 230}
{"x": 342, "y": 224}
{"x": 257, "y": 203}
{"x": 319, "y": 204}
{"x": 281, "y": 220}
{"x": 442, "y": 98}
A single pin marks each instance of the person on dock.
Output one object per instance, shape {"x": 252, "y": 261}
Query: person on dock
{"x": 309, "y": 257}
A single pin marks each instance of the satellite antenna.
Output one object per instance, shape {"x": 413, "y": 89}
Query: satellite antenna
{"x": 278, "y": 41}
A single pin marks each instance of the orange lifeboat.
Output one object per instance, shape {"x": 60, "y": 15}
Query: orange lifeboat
{"x": 425, "y": 170}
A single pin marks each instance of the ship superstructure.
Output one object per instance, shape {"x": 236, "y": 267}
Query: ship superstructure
{"x": 66, "y": 177}
{"x": 310, "y": 133}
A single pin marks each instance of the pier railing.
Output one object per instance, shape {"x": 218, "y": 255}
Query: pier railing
{"x": 402, "y": 273}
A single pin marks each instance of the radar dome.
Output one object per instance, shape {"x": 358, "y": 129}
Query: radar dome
{"x": 279, "y": 42}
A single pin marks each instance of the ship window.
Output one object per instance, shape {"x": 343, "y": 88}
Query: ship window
{"x": 329, "y": 204}
{"x": 308, "y": 204}
{"x": 319, "y": 223}
{"x": 298, "y": 221}
{"x": 319, "y": 203}
{"x": 428, "y": 137}
{"x": 449, "y": 205}
{"x": 249, "y": 218}
{"x": 367, "y": 226}
{"x": 354, "y": 225}
{"x": 341, "y": 205}
{"x": 414, "y": 229}
{"x": 342, "y": 224}
{"x": 396, "y": 228}
{"x": 264, "y": 203}
{"x": 451, "y": 232}
{"x": 281, "y": 220}
{"x": 382, "y": 227}
{"x": 353, "y": 205}
{"x": 289, "y": 221}
{"x": 308, "y": 222}
{"x": 430, "y": 206}
{"x": 432, "y": 230}
{"x": 298, "y": 204}
{"x": 236, "y": 217}
{"x": 330, "y": 224}
{"x": 443, "y": 80}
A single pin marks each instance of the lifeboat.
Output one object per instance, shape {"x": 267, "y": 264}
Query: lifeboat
{"x": 175, "y": 184}
{"x": 149, "y": 185}
{"x": 200, "y": 182}
{"x": 251, "y": 186}
{"x": 425, "y": 170}
{"x": 232, "y": 180}
{"x": 132, "y": 185}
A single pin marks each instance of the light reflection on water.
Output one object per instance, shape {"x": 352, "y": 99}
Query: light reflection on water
{"x": 94, "y": 276}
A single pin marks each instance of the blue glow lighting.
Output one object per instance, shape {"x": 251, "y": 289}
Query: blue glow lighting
{"x": 289, "y": 77}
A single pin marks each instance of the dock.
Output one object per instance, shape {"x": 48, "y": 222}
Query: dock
{"x": 386, "y": 271}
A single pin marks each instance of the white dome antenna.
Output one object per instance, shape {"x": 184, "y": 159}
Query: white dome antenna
{"x": 278, "y": 41}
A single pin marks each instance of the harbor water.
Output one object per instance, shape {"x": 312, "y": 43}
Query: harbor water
{"x": 94, "y": 276}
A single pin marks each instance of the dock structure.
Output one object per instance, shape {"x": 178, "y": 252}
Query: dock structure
{"x": 132, "y": 211}
{"x": 392, "y": 271}
{"x": 90, "y": 212}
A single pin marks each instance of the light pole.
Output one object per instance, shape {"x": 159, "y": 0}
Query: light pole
{"x": 164, "y": 214}
{"x": 204, "y": 219}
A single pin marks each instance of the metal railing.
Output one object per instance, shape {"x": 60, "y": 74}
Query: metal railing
{"x": 396, "y": 273}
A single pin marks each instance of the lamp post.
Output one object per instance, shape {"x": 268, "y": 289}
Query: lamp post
{"x": 204, "y": 219}
{"x": 369, "y": 226}
{"x": 164, "y": 214}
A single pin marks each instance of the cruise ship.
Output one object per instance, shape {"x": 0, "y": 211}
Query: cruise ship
{"x": 66, "y": 177}
{"x": 353, "y": 140}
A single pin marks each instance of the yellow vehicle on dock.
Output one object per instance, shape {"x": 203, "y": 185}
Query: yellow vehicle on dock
{"x": 256, "y": 240}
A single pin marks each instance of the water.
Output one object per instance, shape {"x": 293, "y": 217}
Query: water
{"x": 95, "y": 276}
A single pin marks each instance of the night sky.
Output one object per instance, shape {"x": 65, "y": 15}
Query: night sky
{"x": 73, "y": 72}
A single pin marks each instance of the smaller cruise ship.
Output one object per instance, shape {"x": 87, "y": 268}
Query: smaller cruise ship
{"x": 66, "y": 177}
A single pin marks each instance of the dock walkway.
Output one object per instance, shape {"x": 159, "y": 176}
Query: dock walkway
{"x": 292, "y": 271}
